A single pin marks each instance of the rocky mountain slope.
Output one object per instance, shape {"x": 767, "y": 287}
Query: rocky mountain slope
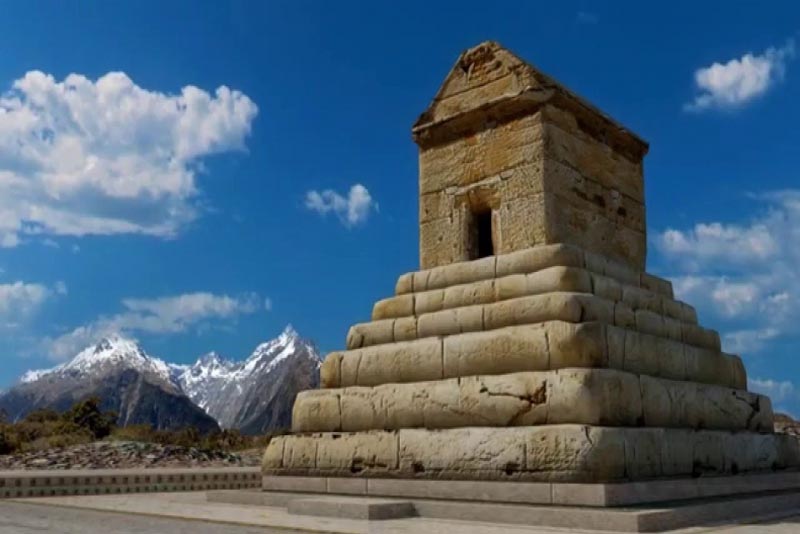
{"x": 254, "y": 396}
{"x": 138, "y": 387}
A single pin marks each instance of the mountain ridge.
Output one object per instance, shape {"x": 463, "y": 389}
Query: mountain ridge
{"x": 254, "y": 395}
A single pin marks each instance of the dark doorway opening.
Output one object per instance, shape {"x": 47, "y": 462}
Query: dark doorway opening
{"x": 482, "y": 235}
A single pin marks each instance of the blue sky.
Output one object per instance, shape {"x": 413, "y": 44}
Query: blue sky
{"x": 199, "y": 174}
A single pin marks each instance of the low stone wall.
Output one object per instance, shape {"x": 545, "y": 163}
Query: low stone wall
{"x": 15, "y": 484}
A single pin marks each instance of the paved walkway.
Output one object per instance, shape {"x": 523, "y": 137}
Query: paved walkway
{"x": 168, "y": 513}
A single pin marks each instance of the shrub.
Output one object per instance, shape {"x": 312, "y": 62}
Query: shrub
{"x": 87, "y": 414}
{"x": 8, "y": 443}
{"x": 43, "y": 415}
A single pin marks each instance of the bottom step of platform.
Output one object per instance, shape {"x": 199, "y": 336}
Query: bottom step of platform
{"x": 663, "y": 517}
{"x": 352, "y": 508}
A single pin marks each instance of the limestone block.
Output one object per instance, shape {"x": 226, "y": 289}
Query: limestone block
{"x": 576, "y": 345}
{"x": 677, "y": 452}
{"x": 689, "y": 314}
{"x": 788, "y": 451}
{"x": 653, "y": 355}
{"x": 651, "y": 323}
{"x": 615, "y": 347}
{"x": 523, "y": 223}
{"x": 596, "y": 263}
{"x": 408, "y": 361}
{"x": 486, "y": 153}
{"x": 512, "y": 286}
{"x": 624, "y": 316}
{"x": 362, "y": 452}
{"x": 672, "y": 308}
{"x": 701, "y": 337}
{"x": 436, "y": 205}
{"x": 429, "y": 301}
{"x": 316, "y": 411}
{"x": 591, "y": 230}
{"x": 709, "y": 453}
{"x": 642, "y": 299}
{"x": 405, "y": 284}
{"x": 574, "y": 452}
{"x": 330, "y": 371}
{"x": 672, "y": 328}
{"x": 595, "y": 161}
{"x": 374, "y": 333}
{"x": 441, "y": 242}
{"x": 538, "y": 258}
{"x": 534, "y": 309}
{"x": 470, "y": 451}
{"x": 405, "y": 329}
{"x": 461, "y": 273}
{"x": 572, "y": 187}
{"x": 668, "y": 403}
{"x": 523, "y": 181}
{"x": 615, "y": 270}
{"x": 595, "y": 309}
{"x": 506, "y": 350}
{"x": 420, "y": 280}
{"x": 606, "y": 288}
{"x": 559, "y": 278}
{"x": 708, "y": 366}
{"x": 481, "y": 292}
{"x": 739, "y": 380}
{"x": 452, "y": 321}
{"x": 273, "y": 455}
{"x": 351, "y": 361}
{"x": 363, "y": 409}
{"x": 595, "y": 397}
{"x": 664, "y": 403}
{"x": 392, "y": 307}
{"x": 299, "y": 453}
{"x": 656, "y": 284}
{"x": 643, "y": 451}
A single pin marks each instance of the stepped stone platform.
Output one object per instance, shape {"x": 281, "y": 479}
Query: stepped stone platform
{"x": 531, "y": 347}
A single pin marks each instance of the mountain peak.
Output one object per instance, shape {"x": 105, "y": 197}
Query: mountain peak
{"x": 115, "y": 342}
{"x": 290, "y": 332}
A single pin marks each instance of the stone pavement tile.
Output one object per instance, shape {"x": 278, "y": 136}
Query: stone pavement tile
{"x": 188, "y": 509}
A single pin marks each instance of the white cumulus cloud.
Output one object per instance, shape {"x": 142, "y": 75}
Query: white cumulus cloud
{"x": 740, "y": 80}
{"x": 106, "y": 156}
{"x": 745, "y": 274}
{"x": 351, "y": 210}
{"x": 19, "y": 300}
{"x": 162, "y": 315}
{"x": 776, "y": 390}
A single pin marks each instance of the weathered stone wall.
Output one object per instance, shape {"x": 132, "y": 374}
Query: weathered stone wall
{"x": 564, "y": 453}
{"x": 544, "y": 180}
{"x": 601, "y": 397}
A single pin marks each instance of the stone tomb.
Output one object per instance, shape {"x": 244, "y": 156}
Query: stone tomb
{"x": 531, "y": 346}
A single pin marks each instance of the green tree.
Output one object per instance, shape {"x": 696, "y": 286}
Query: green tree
{"x": 87, "y": 414}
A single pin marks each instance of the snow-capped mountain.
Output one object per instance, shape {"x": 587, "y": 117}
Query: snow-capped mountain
{"x": 255, "y": 395}
{"x": 140, "y": 388}
{"x": 110, "y": 352}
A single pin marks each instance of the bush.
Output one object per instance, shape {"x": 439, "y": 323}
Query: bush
{"x": 8, "y": 443}
{"x": 43, "y": 415}
{"x": 87, "y": 414}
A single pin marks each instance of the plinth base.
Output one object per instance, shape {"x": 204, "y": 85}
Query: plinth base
{"x": 605, "y": 507}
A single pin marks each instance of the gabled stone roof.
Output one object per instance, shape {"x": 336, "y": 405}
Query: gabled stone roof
{"x": 490, "y": 83}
